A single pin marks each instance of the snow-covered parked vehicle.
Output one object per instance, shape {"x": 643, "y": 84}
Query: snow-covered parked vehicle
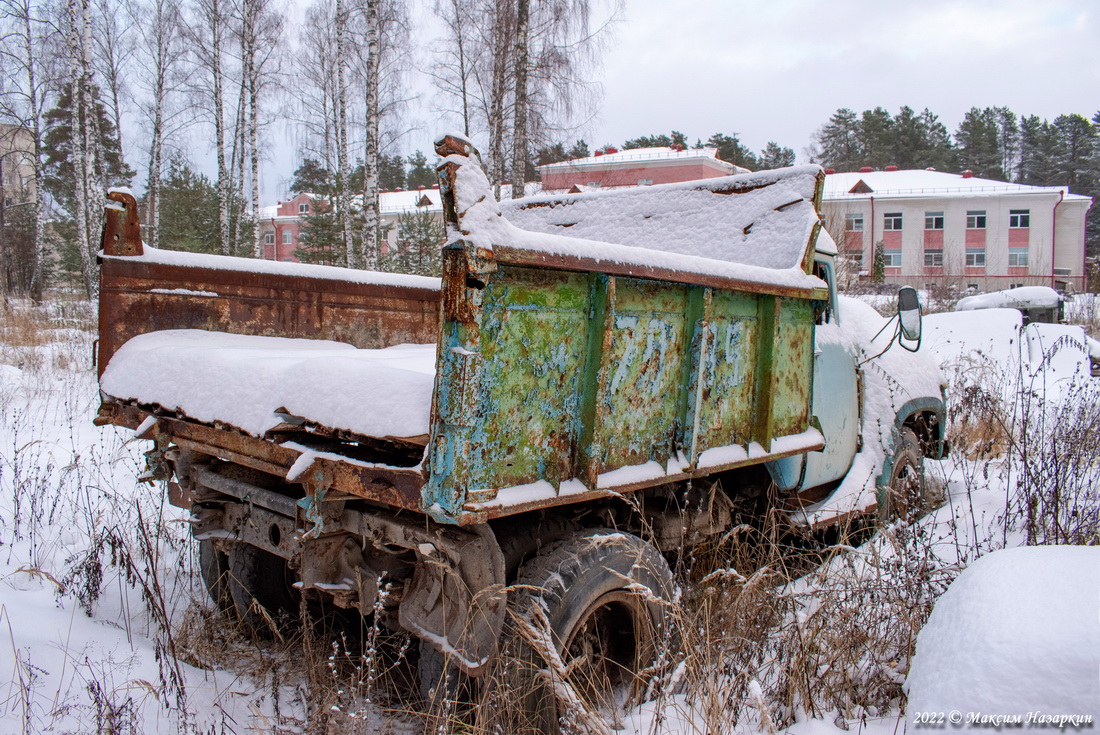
{"x": 574, "y": 401}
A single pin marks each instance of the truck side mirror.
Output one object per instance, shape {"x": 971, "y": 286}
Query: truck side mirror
{"x": 909, "y": 313}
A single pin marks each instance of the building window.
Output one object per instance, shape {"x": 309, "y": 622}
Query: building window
{"x": 1017, "y": 257}
{"x": 288, "y": 237}
{"x": 975, "y": 257}
{"x": 933, "y": 258}
{"x": 1019, "y": 218}
{"x": 891, "y": 221}
{"x": 303, "y": 208}
{"x": 893, "y": 257}
{"x": 933, "y": 221}
{"x": 645, "y": 182}
{"x": 593, "y": 183}
{"x": 853, "y": 222}
{"x": 269, "y": 238}
{"x": 975, "y": 219}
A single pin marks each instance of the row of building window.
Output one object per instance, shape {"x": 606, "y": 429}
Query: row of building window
{"x": 288, "y": 238}
{"x": 975, "y": 220}
{"x": 933, "y": 257}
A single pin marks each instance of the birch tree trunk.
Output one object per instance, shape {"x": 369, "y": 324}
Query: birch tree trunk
{"x": 30, "y": 50}
{"x": 519, "y": 119}
{"x": 77, "y": 12}
{"x": 343, "y": 174}
{"x": 216, "y": 25}
{"x": 501, "y": 48}
{"x": 371, "y": 215}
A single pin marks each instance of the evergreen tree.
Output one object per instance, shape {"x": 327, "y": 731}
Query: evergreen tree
{"x": 837, "y": 143}
{"x": 648, "y": 141}
{"x": 391, "y": 172}
{"x": 1038, "y": 152}
{"x": 420, "y": 172}
{"x": 311, "y": 177}
{"x": 1076, "y": 152}
{"x": 554, "y": 153}
{"x": 579, "y": 150}
{"x": 979, "y": 149}
{"x": 1008, "y": 141}
{"x": 321, "y": 237}
{"x": 940, "y": 152}
{"x": 61, "y": 176}
{"x": 730, "y": 150}
{"x": 189, "y": 210}
{"x": 419, "y": 245}
{"x": 876, "y": 136}
{"x": 878, "y": 267}
{"x": 773, "y": 156}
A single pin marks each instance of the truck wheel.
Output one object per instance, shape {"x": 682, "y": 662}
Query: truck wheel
{"x": 606, "y": 596}
{"x": 214, "y": 568}
{"x": 261, "y": 588}
{"x": 906, "y": 496}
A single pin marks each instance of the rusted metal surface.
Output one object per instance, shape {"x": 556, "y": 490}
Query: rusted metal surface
{"x": 525, "y": 257}
{"x": 121, "y": 225}
{"x": 391, "y": 486}
{"x": 137, "y": 297}
{"x": 546, "y": 375}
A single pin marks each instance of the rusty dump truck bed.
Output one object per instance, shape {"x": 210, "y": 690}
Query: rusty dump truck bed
{"x": 564, "y": 369}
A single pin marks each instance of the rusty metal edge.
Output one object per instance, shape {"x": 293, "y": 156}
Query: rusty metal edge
{"x": 123, "y": 267}
{"x": 480, "y": 512}
{"x": 534, "y": 258}
{"x": 394, "y": 487}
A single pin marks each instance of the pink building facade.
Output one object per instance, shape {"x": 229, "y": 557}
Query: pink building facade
{"x": 956, "y": 230}
{"x": 636, "y": 167}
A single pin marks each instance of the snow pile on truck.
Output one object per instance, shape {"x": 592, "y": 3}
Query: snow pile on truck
{"x": 257, "y": 384}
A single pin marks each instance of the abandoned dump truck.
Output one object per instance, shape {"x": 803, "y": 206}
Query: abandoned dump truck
{"x": 576, "y": 401}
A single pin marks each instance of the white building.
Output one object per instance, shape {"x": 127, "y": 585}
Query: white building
{"x": 956, "y": 230}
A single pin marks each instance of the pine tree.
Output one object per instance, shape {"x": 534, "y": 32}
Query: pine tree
{"x": 837, "y": 143}
{"x": 419, "y": 245}
{"x": 189, "y": 210}
{"x": 774, "y": 156}
{"x": 876, "y": 131}
{"x": 730, "y": 150}
{"x": 979, "y": 149}
{"x": 878, "y": 267}
{"x": 1038, "y": 152}
{"x": 421, "y": 173}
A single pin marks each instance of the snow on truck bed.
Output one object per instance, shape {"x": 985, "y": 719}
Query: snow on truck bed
{"x": 766, "y": 222}
{"x": 243, "y": 380}
{"x": 754, "y": 228}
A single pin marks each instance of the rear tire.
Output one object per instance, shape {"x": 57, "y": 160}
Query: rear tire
{"x": 261, "y": 588}
{"x": 607, "y": 598}
{"x": 214, "y": 568}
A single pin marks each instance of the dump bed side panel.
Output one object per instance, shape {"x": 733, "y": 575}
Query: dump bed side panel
{"x": 554, "y": 383}
{"x": 138, "y": 296}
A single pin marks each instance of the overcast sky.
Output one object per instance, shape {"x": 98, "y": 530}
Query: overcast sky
{"x": 777, "y": 69}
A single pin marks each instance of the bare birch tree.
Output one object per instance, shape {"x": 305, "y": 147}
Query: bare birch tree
{"x": 163, "y": 50}
{"x": 78, "y": 42}
{"x": 371, "y": 215}
{"x": 260, "y": 35}
{"x": 114, "y": 46}
{"x": 208, "y": 39}
{"x": 343, "y": 170}
{"x": 315, "y": 111}
{"x": 25, "y": 37}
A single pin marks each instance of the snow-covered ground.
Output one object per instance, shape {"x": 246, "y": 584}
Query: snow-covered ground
{"x": 105, "y": 625}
